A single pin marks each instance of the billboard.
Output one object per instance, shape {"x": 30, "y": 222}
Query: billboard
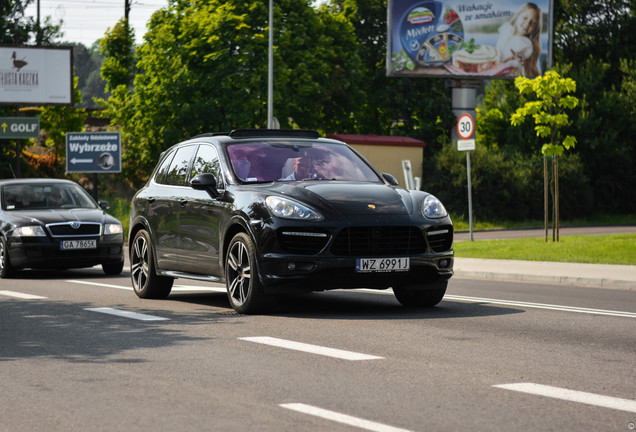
{"x": 39, "y": 76}
{"x": 469, "y": 39}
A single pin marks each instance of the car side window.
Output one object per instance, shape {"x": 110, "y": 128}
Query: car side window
{"x": 178, "y": 169}
{"x": 162, "y": 171}
{"x": 207, "y": 161}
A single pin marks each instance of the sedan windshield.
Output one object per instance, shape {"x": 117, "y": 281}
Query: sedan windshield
{"x": 290, "y": 161}
{"x": 45, "y": 196}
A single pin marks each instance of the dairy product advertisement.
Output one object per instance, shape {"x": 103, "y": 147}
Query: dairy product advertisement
{"x": 458, "y": 38}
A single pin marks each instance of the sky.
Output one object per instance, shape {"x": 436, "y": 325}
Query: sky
{"x": 86, "y": 21}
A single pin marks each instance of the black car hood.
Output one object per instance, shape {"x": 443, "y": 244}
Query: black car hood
{"x": 58, "y": 216}
{"x": 354, "y": 198}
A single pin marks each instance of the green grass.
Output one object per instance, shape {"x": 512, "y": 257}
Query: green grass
{"x": 594, "y": 249}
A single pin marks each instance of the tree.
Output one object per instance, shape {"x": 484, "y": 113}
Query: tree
{"x": 392, "y": 106}
{"x": 548, "y": 111}
{"x": 116, "y": 46}
{"x": 203, "y": 67}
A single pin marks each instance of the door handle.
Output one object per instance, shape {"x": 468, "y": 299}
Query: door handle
{"x": 183, "y": 202}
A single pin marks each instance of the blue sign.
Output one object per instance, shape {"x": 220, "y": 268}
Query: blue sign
{"x": 93, "y": 152}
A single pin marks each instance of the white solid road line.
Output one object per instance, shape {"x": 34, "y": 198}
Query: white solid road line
{"x": 314, "y": 349}
{"x": 21, "y": 295}
{"x": 127, "y": 314}
{"x": 341, "y": 418}
{"x": 542, "y": 306}
{"x": 572, "y": 395}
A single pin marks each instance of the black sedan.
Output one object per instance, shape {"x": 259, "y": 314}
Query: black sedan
{"x": 56, "y": 224}
{"x": 275, "y": 211}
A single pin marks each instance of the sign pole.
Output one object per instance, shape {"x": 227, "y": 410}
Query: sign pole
{"x": 470, "y": 196}
{"x": 464, "y": 102}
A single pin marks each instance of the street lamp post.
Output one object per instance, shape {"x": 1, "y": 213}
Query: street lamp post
{"x": 270, "y": 69}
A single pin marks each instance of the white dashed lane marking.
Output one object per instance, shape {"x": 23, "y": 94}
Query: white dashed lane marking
{"x": 313, "y": 349}
{"x": 127, "y": 314}
{"x": 341, "y": 418}
{"x": 572, "y": 395}
{"x": 21, "y": 295}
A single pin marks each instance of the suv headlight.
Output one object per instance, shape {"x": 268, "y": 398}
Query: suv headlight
{"x": 113, "y": 229}
{"x": 290, "y": 209}
{"x": 432, "y": 208}
{"x": 29, "y": 231}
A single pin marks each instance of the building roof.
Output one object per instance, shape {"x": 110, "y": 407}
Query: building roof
{"x": 396, "y": 141}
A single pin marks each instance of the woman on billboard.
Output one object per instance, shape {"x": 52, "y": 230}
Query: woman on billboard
{"x": 518, "y": 41}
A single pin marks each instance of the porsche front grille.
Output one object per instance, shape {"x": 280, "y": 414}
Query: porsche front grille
{"x": 379, "y": 241}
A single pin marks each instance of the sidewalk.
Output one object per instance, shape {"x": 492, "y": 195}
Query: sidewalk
{"x": 595, "y": 275}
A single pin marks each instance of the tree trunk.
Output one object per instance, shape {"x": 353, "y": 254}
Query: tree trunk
{"x": 545, "y": 196}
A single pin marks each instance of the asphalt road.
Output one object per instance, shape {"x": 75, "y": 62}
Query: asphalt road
{"x": 79, "y": 351}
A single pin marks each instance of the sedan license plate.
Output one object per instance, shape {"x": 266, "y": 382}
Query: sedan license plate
{"x": 366, "y": 265}
{"x": 78, "y": 244}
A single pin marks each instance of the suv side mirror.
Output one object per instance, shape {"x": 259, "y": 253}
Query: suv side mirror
{"x": 104, "y": 205}
{"x": 206, "y": 182}
{"x": 389, "y": 178}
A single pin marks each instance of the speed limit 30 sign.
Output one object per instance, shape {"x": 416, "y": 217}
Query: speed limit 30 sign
{"x": 465, "y": 126}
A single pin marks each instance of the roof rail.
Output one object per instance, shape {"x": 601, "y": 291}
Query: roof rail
{"x": 265, "y": 133}
{"x": 210, "y": 134}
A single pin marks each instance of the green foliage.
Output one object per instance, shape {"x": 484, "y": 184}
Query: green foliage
{"x": 57, "y": 121}
{"x": 550, "y": 90}
{"x": 18, "y": 29}
{"x": 203, "y": 67}
{"x": 506, "y": 186}
{"x": 117, "y": 49}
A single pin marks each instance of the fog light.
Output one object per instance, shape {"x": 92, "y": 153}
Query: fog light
{"x": 291, "y": 266}
{"x": 443, "y": 263}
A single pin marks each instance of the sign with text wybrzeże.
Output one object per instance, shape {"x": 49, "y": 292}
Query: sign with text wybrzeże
{"x": 40, "y": 76}
{"x": 93, "y": 152}
{"x": 469, "y": 39}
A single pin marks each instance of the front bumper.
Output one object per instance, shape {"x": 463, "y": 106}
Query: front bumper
{"x": 44, "y": 253}
{"x": 285, "y": 273}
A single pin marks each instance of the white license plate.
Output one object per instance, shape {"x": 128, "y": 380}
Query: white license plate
{"x": 78, "y": 244}
{"x": 365, "y": 265}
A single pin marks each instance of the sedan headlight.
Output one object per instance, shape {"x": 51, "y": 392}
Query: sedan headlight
{"x": 113, "y": 229}
{"x": 290, "y": 209}
{"x": 432, "y": 208}
{"x": 29, "y": 231}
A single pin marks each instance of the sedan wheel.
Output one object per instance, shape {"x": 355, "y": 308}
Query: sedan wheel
{"x": 244, "y": 289}
{"x": 145, "y": 281}
{"x": 6, "y": 269}
{"x": 411, "y": 296}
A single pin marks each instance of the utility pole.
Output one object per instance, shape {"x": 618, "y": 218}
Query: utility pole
{"x": 126, "y": 9}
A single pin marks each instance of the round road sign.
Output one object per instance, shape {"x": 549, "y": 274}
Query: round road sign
{"x": 465, "y": 126}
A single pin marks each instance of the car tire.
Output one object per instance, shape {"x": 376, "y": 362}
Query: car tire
{"x": 113, "y": 269}
{"x": 6, "y": 269}
{"x": 413, "y": 297}
{"x": 145, "y": 281}
{"x": 244, "y": 289}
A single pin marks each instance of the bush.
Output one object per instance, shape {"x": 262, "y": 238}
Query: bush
{"x": 505, "y": 186}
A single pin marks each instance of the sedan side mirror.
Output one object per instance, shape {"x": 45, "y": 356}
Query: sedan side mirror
{"x": 104, "y": 205}
{"x": 206, "y": 182}
{"x": 389, "y": 178}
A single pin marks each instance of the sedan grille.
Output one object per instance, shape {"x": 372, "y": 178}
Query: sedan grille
{"x": 302, "y": 242}
{"x": 75, "y": 229}
{"x": 379, "y": 241}
{"x": 440, "y": 238}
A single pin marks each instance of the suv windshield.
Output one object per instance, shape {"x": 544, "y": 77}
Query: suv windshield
{"x": 289, "y": 161}
{"x": 45, "y": 196}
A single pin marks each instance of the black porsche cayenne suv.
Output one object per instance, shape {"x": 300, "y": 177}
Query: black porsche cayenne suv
{"x": 274, "y": 211}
